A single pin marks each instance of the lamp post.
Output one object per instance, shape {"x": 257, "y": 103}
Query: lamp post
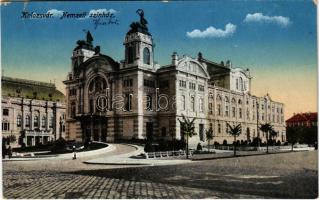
{"x": 257, "y": 106}
{"x": 156, "y": 94}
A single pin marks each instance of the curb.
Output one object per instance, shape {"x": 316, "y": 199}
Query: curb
{"x": 232, "y": 156}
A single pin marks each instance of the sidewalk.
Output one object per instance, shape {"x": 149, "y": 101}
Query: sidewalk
{"x": 107, "y": 149}
{"x": 125, "y": 159}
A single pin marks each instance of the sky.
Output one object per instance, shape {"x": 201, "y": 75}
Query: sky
{"x": 276, "y": 40}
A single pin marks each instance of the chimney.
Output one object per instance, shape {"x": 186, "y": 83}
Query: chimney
{"x": 174, "y": 58}
{"x": 199, "y": 56}
{"x": 228, "y": 63}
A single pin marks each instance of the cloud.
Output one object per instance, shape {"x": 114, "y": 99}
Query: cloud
{"x": 260, "y": 18}
{"x": 211, "y": 32}
{"x": 102, "y": 11}
{"x": 55, "y": 12}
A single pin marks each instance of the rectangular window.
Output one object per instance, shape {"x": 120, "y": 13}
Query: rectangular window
{"x": 192, "y": 86}
{"x": 201, "y": 88}
{"x": 210, "y": 107}
{"x": 19, "y": 120}
{"x": 51, "y": 122}
{"x": 128, "y": 83}
{"x": 128, "y": 102}
{"x": 240, "y": 113}
{"x": 149, "y": 83}
{"x": 201, "y": 105}
{"x": 5, "y": 126}
{"x": 5, "y": 112}
{"x": 164, "y": 84}
{"x": 163, "y": 132}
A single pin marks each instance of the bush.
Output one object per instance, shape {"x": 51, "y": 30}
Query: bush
{"x": 216, "y": 143}
{"x": 199, "y": 147}
{"x": 256, "y": 141}
{"x": 149, "y": 147}
{"x": 164, "y": 145}
{"x": 278, "y": 143}
{"x": 59, "y": 146}
{"x": 225, "y": 142}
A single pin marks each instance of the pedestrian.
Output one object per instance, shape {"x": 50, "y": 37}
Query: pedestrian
{"x": 74, "y": 153}
{"x": 4, "y": 149}
{"x": 10, "y": 152}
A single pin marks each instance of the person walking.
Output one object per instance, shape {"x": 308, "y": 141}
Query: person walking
{"x": 10, "y": 152}
{"x": 74, "y": 153}
{"x": 4, "y": 149}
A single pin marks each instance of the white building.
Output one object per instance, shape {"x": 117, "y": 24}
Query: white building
{"x": 33, "y": 112}
{"x": 135, "y": 98}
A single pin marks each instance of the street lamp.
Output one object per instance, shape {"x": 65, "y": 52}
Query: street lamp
{"x": 156, "y": 94}
{"x": 257, "y": 106}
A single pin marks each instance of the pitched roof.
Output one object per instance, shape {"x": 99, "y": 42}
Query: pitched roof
{"x": 303, "y": 117}
{"x": 30, "y": 89}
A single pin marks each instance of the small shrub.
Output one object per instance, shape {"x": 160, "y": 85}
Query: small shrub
{"x": 225, "y": 142}
{"x": 278, "y": 143}
{"x": 149, "y": 147}
{"x": 199, "y": 147}
{"x": 58, "y": 146}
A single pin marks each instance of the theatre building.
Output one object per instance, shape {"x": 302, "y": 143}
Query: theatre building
{"x": 33, "y": 112}
{"x": 108, "y": 100}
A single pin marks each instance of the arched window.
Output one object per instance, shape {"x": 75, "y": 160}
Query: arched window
{"x": 219, "y": 106}
{"x": 130, "y": 55}
{"x": 27, "y": 121}
{"x": 146, "y": 56}
{"x": 73, "y": 109}
{"x": 36, "y": 121}
{"x": 183, "y": 102}
{"x": 19, "y": 119}
{"x": 193, "y": 103}
{"x": 201, "y": 105}
{"x": 241, "y": 87}
{"x": 149, "y": 102}
{"x": 43, "y": 122}
{"x": 98, "y": 84}
{"x": 226, "y": 106}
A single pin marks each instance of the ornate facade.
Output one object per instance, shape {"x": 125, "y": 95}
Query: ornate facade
{"x": 33, "y": 112}
{"x": 136, "y": 98}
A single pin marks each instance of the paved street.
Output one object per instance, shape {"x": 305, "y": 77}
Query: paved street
{"x": 286, "y": 175}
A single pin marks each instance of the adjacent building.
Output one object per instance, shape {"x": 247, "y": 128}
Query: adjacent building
{"x": 309, "y": 119}
{"x": 109, "y": 100}
{"x": 33, "y": 112}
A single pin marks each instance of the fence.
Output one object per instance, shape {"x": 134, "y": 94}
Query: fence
{"x": 166, "y": 154}
{"x": 270, "y": 148}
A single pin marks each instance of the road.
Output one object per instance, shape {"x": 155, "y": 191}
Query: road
{"x": 286, "y": 175}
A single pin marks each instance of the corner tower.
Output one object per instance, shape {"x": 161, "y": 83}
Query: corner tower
{"x": 139, "y": 44}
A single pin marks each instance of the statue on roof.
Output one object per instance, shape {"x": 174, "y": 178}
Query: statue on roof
{"x": 89, "y": 38}
{"x": 87, "y": 44}
{"x": 143, "y": 21}
{"x": 140, "y": 26}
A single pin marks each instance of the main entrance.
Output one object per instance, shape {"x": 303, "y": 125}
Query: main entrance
{"x": 94, "y": 128}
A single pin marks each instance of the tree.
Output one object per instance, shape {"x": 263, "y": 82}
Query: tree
{"x": 209, "y": 136}
{"x": 188, "y": 129}
{"x": 266, "y": 128}
{"x": 234, "y": 131}
{"x": 294, "y": 135}
{"x": 273, "y": 134}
